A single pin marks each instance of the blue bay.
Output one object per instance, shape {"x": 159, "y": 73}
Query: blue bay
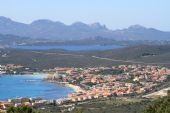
{"x": 30, "y": 86}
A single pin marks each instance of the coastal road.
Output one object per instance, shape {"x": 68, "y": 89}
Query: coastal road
{"x": 127, "y": 61}
{"x": 57, "y": 54}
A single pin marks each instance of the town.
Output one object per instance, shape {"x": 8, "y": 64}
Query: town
{"x": 12, "y": 69}
{"x": 95, "y": 83}
{"x": 122, "y": 80}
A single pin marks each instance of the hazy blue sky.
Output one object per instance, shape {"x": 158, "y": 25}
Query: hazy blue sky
{"x": 113, "y": 13}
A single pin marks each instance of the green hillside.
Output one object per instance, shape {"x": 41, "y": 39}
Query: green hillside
{"x": 50, "y": 58}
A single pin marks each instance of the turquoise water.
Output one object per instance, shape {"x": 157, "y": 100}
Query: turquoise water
{"x": 30, "y": 86}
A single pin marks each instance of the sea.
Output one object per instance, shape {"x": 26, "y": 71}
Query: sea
{"x": 15, "y": 86}
{"x": 69, "y": 47}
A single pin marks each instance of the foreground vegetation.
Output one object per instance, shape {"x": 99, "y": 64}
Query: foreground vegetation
{"x": 105, "y": 105}
{"x": 161, "y": 105}
{"x": 22, "y": 109}
{"x": 127, "y": 105}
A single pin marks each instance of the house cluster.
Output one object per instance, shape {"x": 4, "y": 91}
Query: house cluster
{"x": 15, "y": 69}
{"x": 111, "y": 81}
{"x": 5, "y": 68}
{"x": 19, "y": 102}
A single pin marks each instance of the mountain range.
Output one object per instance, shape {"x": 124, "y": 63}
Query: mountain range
{"x": 50, "y": 30}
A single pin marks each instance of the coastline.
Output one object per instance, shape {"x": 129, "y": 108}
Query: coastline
{"x": 43, "y": 77}
{"x": 66, "y": 84}
{"x": 75, "y": 87}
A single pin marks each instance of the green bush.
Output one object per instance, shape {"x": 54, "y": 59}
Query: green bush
{"x": 21, "y": 109}
{"x": 161, "y": 105}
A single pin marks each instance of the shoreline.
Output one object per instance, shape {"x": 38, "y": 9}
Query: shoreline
{"x": 43, "y": 77}
{"x": 66, "y": 84}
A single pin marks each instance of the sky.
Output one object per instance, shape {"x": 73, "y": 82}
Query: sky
{"x": 115, "y": 14}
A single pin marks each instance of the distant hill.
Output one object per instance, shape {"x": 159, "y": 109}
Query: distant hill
{"x": 10, "y": 40}
{"x": 47, "y": 29}
{"x": 137, "y": 32}
{"x": 52, "y": 30}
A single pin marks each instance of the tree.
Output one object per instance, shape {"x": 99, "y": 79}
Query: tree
{"x": 161, "y": 105}
{"x": 21, "y": 109}
{"x": 77, "y": 110}
{"x": 168, "y": 93}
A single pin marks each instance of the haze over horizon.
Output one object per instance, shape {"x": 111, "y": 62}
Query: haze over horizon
{"x": 114, "y": 14}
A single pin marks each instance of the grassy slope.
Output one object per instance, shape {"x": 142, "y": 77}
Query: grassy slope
{"x": 157, "y": 54}
{"x": 130, "y": 105}
{"x": 133, "y": 52}
{"x": 47, "y": 60}
{"x": 52, "y": 58}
